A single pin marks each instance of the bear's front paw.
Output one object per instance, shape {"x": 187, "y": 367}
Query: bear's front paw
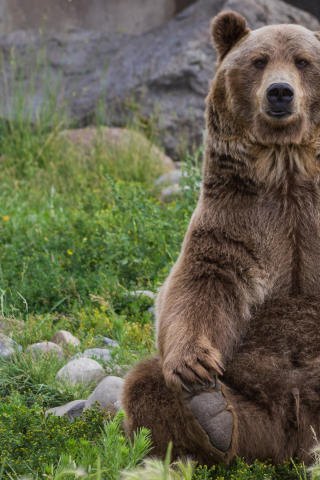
{"x": 192, "y": 368}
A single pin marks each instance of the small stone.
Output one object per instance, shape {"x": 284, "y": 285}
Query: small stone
{"x": 83, "y": 370}
{"x": 170, "y": 177}
{"x": 45, "y": 347}
{"x": 168, "y": 192}
{"x": 107, "y": 341}
{"x": 63, "y": 337}
{"x": 8, "y": 347}
{"x": 143, "y": 293}
{"x": 102, "y": 354}
{"x": 152, "y": 311}
{"x": 74, "y": 357}
{"x": 107, "y": 393}
{"x": 72, "y": 409}
{"x": 121, "y": 370}
{"x": 118, "y": 370}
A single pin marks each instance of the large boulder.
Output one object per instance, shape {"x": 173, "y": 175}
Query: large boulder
{"x": 312, "y": 6}
{"x": 135, "y": 16}
{"x": 165, "y": 71}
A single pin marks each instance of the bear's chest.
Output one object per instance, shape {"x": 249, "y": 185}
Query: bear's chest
{"x": 295, "y": 246}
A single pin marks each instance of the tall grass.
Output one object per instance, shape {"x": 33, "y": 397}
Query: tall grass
{"x": 34, "y": 377}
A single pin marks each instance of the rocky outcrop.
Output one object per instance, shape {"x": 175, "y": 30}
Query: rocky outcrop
{"x": 163, "y": 74}
{"x": 134, "y": 16}
{"x": 311, "y": 6}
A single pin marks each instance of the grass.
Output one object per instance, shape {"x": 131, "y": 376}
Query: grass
{"x": 91, "y": 235}
{"x": 40, "y": 445}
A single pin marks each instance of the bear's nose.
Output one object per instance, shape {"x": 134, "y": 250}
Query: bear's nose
{"x": 280, "y": 94}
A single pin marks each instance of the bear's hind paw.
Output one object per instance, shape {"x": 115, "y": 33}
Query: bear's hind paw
{"x": 210, "y": 410}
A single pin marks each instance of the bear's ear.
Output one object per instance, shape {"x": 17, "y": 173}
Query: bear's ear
{"x": 317, "y": 35}
{"x": 227, "y": 29}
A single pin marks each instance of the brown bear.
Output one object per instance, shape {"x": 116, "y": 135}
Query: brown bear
{"x": 238, "y": 319}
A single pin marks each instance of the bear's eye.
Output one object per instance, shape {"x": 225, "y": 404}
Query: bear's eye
{"x": 260, "y": 63}
{"x": 301, "y": 63}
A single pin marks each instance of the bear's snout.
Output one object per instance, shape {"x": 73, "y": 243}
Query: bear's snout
{"x": 279, "y": 96}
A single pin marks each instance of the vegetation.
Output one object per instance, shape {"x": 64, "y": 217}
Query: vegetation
{"x": 35, "y": 444}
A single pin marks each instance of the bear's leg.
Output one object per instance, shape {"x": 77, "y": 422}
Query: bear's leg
{"x": 200, "y": 425}
{"x": 265, "y": 433}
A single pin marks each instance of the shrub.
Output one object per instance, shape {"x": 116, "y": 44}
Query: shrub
{"x": 29, "y": 439}
{"x": 32, "y": 443}
{"x": 239, "y": 470}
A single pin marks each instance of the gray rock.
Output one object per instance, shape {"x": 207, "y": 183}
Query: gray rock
{"x": 112, "y": 15}
{"x": 170, "y": 177}
{"x": 118, "y": 370}
{"x": 71, "y": 409}
{"x": 117, "y": 405}
{"x": 170, "y": 67}
{"x": 107, "y": 393}
{"x": 8, "y": 347}
{"x": 168, "y": 192}
{"x": 87, "y": 138}
{"x": 62, "y": 337}
{"x": 102, "y": 354}
{"x": 152, "y": 311}
{"x": 107, "y": 341}
{"x": 312, "y": 6}
{"x": 83, "y": 370}
{"x": 45, "y": 347}
{"x": 75, "y": 356}
{"x": 143, "y": 293}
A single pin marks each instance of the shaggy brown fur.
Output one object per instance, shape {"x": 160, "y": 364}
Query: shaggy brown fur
{"x": 244, "y": 295}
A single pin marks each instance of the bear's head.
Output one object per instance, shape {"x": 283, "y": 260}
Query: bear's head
{"x": 267, "y": 81}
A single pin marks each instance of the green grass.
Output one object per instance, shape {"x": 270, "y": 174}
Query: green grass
{"x": 62, "y": 243}
{"x": 39, "y": 445}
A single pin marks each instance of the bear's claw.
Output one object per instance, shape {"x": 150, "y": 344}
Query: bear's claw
{"x": 196, "y": 387}
{"x": 209, "y": 408}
